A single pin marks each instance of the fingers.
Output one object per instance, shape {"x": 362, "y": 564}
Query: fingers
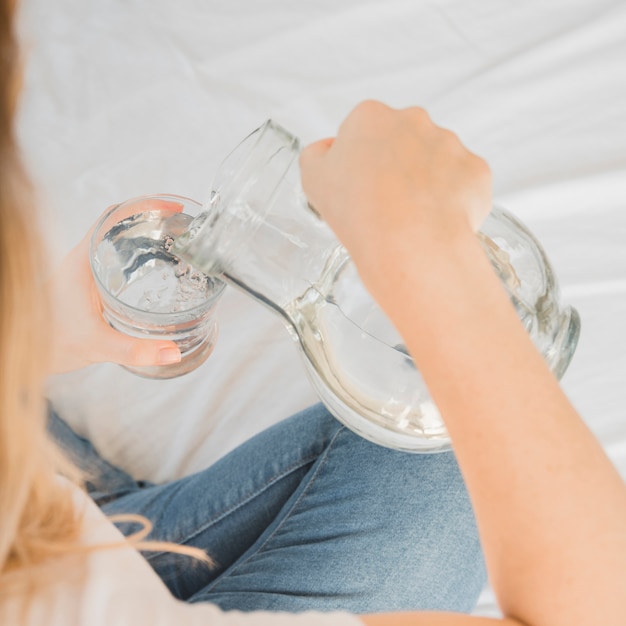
{"x": 119, "y": 348}
{"x": 393, "y": 174}
{"x": 134, "y": 206}
{"x": 156, "y": 204}
{"x": 106, "y": 344}
{"x": 312, "y": 169}
{"x": 366, "y": 114}
{"x": 311, "y": 154}
{"x": 318, "y": 148}
{"x": 140, "y": 205}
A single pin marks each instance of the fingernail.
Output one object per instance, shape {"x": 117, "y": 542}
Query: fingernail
{"x": 168, "y": 355}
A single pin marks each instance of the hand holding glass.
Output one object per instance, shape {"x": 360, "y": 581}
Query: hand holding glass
{"x": 148, "y": 292}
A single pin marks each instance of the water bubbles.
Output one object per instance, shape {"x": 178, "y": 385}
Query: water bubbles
{"x": 142, "y": 272}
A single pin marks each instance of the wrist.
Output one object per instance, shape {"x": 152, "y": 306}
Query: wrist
{"x": 427, "y": 271}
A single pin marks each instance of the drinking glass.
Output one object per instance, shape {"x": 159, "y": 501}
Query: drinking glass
{"x": 148, "y": 292}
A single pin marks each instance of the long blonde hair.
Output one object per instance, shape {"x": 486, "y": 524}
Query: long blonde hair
{"x": 37, "y": 513}
{"x": 38, "y": 518}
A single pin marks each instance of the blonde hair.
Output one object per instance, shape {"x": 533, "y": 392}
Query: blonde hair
{"x": 36, "y": 514}
{"x": 38, "y": 518}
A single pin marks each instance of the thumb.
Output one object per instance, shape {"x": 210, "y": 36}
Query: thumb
{"x": 311, "y": 167}
{"x": 119, "y": 348}
{"x": 310, "y": 155}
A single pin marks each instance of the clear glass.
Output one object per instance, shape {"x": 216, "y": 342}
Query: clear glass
{"x": 259, "y": 234}
{"x": 147, "y": 291}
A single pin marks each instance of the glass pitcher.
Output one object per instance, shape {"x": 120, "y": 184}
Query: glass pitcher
{"x": 258, "y": 233}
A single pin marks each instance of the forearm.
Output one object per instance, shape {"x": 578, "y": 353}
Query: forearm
{"x": 405, "y": 197}
{"x": 550, "y": 506}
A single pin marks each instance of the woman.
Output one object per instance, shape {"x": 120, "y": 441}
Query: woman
{"x": 413, "y": 187}
{"x": 304, "y": 516}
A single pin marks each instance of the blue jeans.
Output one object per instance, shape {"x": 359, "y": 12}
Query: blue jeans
{"x": 306, "y": 515}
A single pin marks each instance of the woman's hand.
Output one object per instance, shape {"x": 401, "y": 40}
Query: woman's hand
{"x": 432, "y": 188}
{"x": 80, "y": 335}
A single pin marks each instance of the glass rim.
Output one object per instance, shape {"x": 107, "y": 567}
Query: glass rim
{"x": 220, "y": 285}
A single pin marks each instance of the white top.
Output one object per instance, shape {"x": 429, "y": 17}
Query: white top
{"x": 119, "y": 588}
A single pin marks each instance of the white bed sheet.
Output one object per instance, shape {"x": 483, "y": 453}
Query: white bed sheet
{"x": 127, "y": 98}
